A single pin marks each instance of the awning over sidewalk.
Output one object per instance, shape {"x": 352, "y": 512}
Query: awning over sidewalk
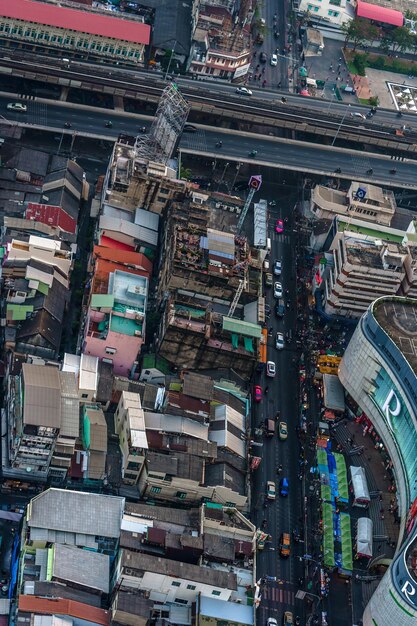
{"x": 364, "y": 536}
{"x": 379, "y": 14}
{"x": 334, "y": 395}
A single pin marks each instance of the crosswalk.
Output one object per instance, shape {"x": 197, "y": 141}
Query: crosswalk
{"x": 278, "y": 595}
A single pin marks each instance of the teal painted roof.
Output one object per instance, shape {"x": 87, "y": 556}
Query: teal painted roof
{"x": 246, "y": 329}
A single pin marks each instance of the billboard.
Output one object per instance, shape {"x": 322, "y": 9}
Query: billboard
{"x": 396, "y": 415}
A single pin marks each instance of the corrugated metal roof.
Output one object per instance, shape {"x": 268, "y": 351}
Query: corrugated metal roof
{"x": 379, "y": 14}
{"x": 42, "y": 395}
{"x": 241, "y": 328}
{"x": 79, "y": 21}
{"x": 147, "y": 219}
{"x": 52, "y": 606}
{"x": 82, "y": 567}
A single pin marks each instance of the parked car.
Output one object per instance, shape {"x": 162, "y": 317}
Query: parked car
{"x": 262, "y": 57}
{"x": 244, "y": 91}
{"x": 277, "y": 290}
{"x": 279, "y": 226}
{"x": 359, "y": 115}
{"x": 274, "y": 60}
{"x": 257, "y": 393}
{"x": 279, "y": 309}
{"x": 282, "y": 431}
{"x": 17, "y": 106}
{"x": 271, "y": 621}
{"x": 270, "y": 490}
{"x": 279, "y": 341}
{"x": 277, "y": 267}
{"x": 268, "y": 279}
{"x": 284, "y": 487}
{"x": 271, "y": 369}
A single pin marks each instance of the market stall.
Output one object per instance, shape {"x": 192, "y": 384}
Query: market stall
{"x": 361, "y": 496}
{"x": 364, "y": 534}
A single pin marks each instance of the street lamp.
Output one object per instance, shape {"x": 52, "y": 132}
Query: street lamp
{"x": 170, "y": 59}
{"x": 340, "y": 125}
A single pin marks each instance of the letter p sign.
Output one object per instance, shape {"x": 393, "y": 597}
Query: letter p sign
{"x": 391, "y": 407}
{"x": 409, "y": 591}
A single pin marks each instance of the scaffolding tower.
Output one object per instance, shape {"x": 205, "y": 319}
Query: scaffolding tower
{"x": 167, "y": 126}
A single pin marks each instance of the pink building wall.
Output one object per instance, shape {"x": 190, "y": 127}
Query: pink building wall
{"x": 127, "y": 347}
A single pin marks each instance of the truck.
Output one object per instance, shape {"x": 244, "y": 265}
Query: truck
{"x": 268, "y": 279}
{"x": 269, "y": 427}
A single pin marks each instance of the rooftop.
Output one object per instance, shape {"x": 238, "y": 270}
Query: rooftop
{"x": 379, "y": 13}
{"x": 76, "y": 512}
{"x": 177, "y": 569}
{"x": 52, "y": 606}
{"x": 79, "y": 21}
{"x": 42, "y": 395}
{"x": 81, "y": 567}
{"x": 398, "y": 318}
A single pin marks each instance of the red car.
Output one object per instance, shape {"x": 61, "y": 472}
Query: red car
{"x": 279, "y": 226}
{"x": 257, "y": 393}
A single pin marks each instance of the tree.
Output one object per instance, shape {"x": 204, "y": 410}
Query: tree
{"x": 358, "y": 31}
{"x": 399, "y": 39}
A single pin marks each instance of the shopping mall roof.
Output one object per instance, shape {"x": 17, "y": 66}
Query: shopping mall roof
{"x": 73, "y": 19}
{"x": 398, "y": 318}
{"x": 379, "y": 14}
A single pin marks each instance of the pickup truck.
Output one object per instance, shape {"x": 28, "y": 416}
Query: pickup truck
{"x": 268, "y": 279}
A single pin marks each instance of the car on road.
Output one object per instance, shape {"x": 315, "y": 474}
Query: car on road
{"x": 262, "y": 57}
{"x": 271, "y": 369}
{"x": 274, "y": 60}
{"x": 284, "y": 487}
{"x": 359, "y": 115}
{"x": 270, "y": 490}
{"x": 282, "y": 431}
{"x": 277, "y": 290}
{"x": 279, "y": 341}
{"x": 279, "y": 226}
{"x": 244, "y": 91}
{"x": 285, "y": 545}
{"x": 17, "y": 106}
{"x": 279, "y": 309}
{"x": 268, "y": 279}
{"x": 277, "y": 267}
{"x": 257, "y": 393}
{"x": 189, "y": 128}
{"x": 288, "y": 619}
{"x": 271, "y": 621}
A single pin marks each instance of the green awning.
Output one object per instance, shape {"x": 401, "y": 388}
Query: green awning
{"x": 242, "y": 328}
{"x": 248, "y": 344}
{"x": 235, "y": 340}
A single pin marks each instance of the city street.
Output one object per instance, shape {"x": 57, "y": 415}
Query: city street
{"x": 283, "y": 514}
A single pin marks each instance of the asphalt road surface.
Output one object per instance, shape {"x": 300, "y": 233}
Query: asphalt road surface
{"x": 143, "y": 80}
{"x": 283, "y": 514}
{"x": 297, "y": 156}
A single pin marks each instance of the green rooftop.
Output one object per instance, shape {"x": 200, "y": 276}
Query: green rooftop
{"x": 18, "y": 312}
{"x": 370, "y": 232}
{"x": 102, "y": 300}
{"x": 125, "y": 326}
{"x": 239, "y": 327}
{"x": 153, "y": 361}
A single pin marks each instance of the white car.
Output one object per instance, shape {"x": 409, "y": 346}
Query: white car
{"x": 244, "y": 91}
{"x": 277, "y": 268}
{"x": 279, "y": 341}
{"x": 271, "y": 369}
{"x": 277, "y": 290}
{"x": 274, "y": 60}
{"x": 17, "y": 106}
{"x": 360, "y": 115}
{"x": 270, "y": 490}
{"x": 272, "y": 622}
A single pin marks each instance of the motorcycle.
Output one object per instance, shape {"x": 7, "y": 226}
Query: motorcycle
{"x": 67, "y": 125}
{"x": 219, "y": 144}
{"x": 142, "y": 129}
{"x": 253, "y": 153}
{"x": 393, "y": 171}
{"x": 109, "y": 124}
{"x": 338, "y": 170}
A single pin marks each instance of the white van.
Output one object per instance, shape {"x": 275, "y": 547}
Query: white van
{"x": 268, "y": 244}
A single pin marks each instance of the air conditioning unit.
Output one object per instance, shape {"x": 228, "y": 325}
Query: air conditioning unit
{"x": 138, "y": 333}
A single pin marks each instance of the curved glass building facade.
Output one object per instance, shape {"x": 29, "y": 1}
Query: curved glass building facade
{"x": 379, "y": 371}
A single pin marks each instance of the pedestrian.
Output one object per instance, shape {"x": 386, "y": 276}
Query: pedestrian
{"x": 382, "y": 516}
